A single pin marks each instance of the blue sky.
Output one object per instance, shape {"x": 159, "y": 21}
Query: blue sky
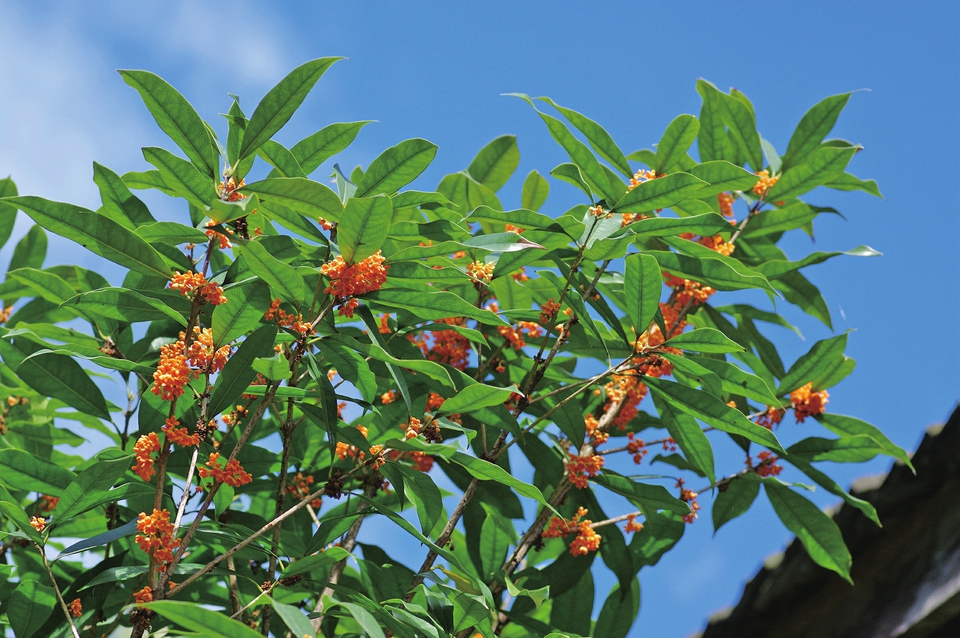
{"x": 437, "y": 70}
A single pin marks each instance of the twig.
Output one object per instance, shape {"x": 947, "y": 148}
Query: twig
{"x": 56, "y": 589}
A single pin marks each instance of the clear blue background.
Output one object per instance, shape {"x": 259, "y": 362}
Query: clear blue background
{"x": 437, "y": 69}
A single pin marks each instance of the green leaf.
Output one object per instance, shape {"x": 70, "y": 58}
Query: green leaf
{"x": 692, "y": 441}
{"x": 294, "y": 618}
{"x": 821, "y": 168}
{"x": 280, "y": 103}
{"x": 243, "y": 311}
{"x": 184, "y": 178}
{"x": 675, "y": 142}
{"x": 778, "y": 267}
{"x": 200, "y": 619}
{"x": 642, "y": 284}
{"x": 704, "y": 340}
{"x": 572, "y": 175}
{"x": 648, "y": 498}
{"x": 92, "y": 487}
{"x": 712, "y": 141}
{"x": 123, "y": 305}
{"x": 30, "y": 251}
{"x": 523, "y": 218}
{"x": 487, "y": 471}
{"x": 281, "y": 159}
{"x": 351, "y": 366}
{"x": 599, "y": 139}
{"x": 433, "y": 305}
{"x": 474, "y": 397}
{"x": 817, "y": 531}
{"x": 30, "y": 606}
{"x": 722, "y": 176}
{"x": 831, "y": 486}
{"x": 375, "y": 350}
{"x": 170, "y": 233}
{"x": 578, "y": 152}
{"x": 619, "y": 611}
{"x": 304, "y": 196}
{"x": 571, "y": 610}
{"x": 495, "y": 162}
{"x": 704, "y": 224}
{"x": 283, "y": 280}
{"x": 848, "y": 449}
{"x": 735, "y": 380}
{"x": 711, "y": 271}
{"x": 127, "y": 529}
{"x": 8, "y": 214}
{"x": 21, "y": 470}
{"x": 848, "y": 182}
{"x": 735, "y": 499}
{"x": 238, "y": 373}
{"x": 662, "y": 192}
{"x": 143, "y": 180}
{"x": 46, "y": 284}
{"x": 177, "y": 118}
{"x": 314, "y": 150}
{"x": 535, "y": 191}
{"x": 849, "y": 426}
{"x": 424, "y": 494}
{"x": 275, "y": 368}
{"x": 798, "y": 290}
{"x": 97, "y": 233}
{"x": 364, "y": 226}
{"x": 56, "y": 376}
{"x": 815, "y": 366}
{"x": 813, "y": 127}
{"x": 712, "y": 411}
{"x": 739, "y": 117}
{"x": 125, "y": 208}
{"x": 396, "y": 167}
{"x": 11, "y": 508}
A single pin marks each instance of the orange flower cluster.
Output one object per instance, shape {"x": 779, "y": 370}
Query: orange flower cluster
{"x": 232, "y": 473}
{"x": 350, "y": 280}
{"x": 582, "y": 467}
{"x": 376, "y": 451}
{"x": 689, "y": 497}
{"x": 5, "y": 314}
{"x": 687, "y": 292}
{"x": 191, "y": 283}
{"x": 595, "y": 435}
{"x": 766, "y": 465}
{"x": 718, "y": 244}
{"x": 481, "y": 272}
{"x": 145, "y": 595}
{"x": 515, "y": 334}
{"x": 388, "y": 397}
{"x": 156, "y": 537}
{"x": 201, "y": 354}
{"x": 411, "y": 427}
{"x": 76, "y": 608}
{"x": 548, "y": 311}
{"x": 325, "y": 223}
{"x": 587, "y": 539}
{"x": 764, "y": 184}
{"x": 180, "y": 436}
{"x": 669, "y": 445}
{"x": 637, "y": 448}
{"x": 770, "y": 418}
{"x": 520, "y": 275}
{"x": 808, "y": 403}
{"x": 47, "y": 503}
{"x": 642, "y": 176}
{"x": 143, "y": 451}
{"x": 632, "y": 525}
{"x": 227, "y": 190}
{"x": 598, "y": 212}
{"x": 172, "y": 373}
{"x": 299, "y": 487}
{"x": 38, "y": 523}
{"x": 448, "y": 346}
{"x": 384, "y": 328}
{"x": 510, "y": 228}
{"x": 345, "y": 451}
{"x": 287, "y": 319}
{"x": 223, "y": 239}
{"x": 726, "y": 201}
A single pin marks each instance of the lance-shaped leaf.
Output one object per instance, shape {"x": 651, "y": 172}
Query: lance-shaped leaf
{"x": 467, "y": 193}
{"x": 30, "y": 251}
{"x": 123, "y": 304}
{"x": 733, "y": 379}
{"x": 848, "y": 449}
{"x": 184, "y": 178}
{"x": 46, "y": 284}
{"x": 712, "y": 411}
{"x": 737, "y": 114}
{"x": 170, "y": 233}
{"x": 305, "y": 196}
{"x": 474, "y": 397}
{"x": 705, "y": 224}
{"x": 722, "y": 176}
{"x": 396, "y": 167}
{"x": 737, "y": 497}
{"x": 422, "y": 492}
{"x": 704, "y": 340}
{"x": 92, "y": 487}
{"x": 21, "y": 470}
{"x": 125, "y": 208}
{"x": 825, "y": 165}
{"x": 850, "y": 426}
{"x": 649, "y": 498}
{"x": 433, "y": 305}
{"x": 314, "y": 150}
{"x": 572, "y": 175}
{"x": 177, "y": 118}
{"x": 29, "y": 607}
{"x": 238, "y": 373}
{"x": 243, "y": 311}
{"x": 685, "y": 430}
{"x": 281, "y": 159}
{"x": 798, "y": 290}
{"x": 495, "y": 162}
{"x": 351, "y": 366}
{"x": 13, "y": 511}
{"x": 642, "y": 284}
{"x": 813, "y": 127}
{"x": 778, "y": 267}
{"x": 430, "y": 369}
{"x": 522, "y": 218}
{"x": 815, "y": 366}
{"x": 848, "y": 182}
{"x": 487, "y": 471}
{"x": 663, "y": 192}
{"x": 364, "y": 226}
{"x": 819, "y": 534}
{"x": 711, "y": 271}
{"x": 619, "y": 611}
{"x": 712, "y": 141}
{"x": 675, "y": 142}
{"x": 201, "y": 620}
{"x": 535, "y": 191}
{"x": 96, "y": 233}
{"x": 282, "y": 279}
{"x": 280, "y": 103}
{"x": 599, "y": 139}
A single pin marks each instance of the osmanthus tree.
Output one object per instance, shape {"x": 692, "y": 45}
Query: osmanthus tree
{"x": 297, "y": 360}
